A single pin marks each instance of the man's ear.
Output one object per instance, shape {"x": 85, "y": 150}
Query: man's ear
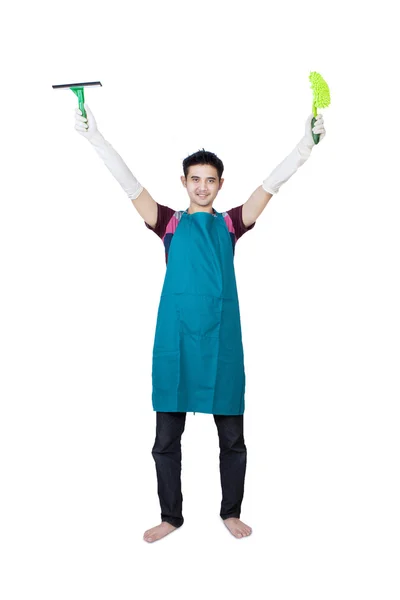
{"x": 221, "y": 182}
{"x": 183, "y": 180}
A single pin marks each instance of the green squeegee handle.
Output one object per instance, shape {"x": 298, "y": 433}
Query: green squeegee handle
{"x": 79, "y": 92}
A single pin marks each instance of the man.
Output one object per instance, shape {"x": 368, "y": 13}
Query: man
{"x": 198, "y": 361}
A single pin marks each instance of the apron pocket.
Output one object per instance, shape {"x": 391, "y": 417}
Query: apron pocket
{"x": 200, "y": 316}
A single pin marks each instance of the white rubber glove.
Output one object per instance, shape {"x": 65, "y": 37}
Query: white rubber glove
{"x": 114, "y": 163}
{"x": 296, "y": 158}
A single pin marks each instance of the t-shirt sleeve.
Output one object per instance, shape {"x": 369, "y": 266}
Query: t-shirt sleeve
{"x": 164, "y": 214}
{"x": 237, "y": 221}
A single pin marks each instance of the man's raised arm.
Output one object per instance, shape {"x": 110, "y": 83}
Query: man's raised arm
{"x": 259, "y": 199}
{"x": 141, "y": 199}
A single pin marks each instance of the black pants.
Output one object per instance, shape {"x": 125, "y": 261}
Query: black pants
{"x": 168, "y": 459}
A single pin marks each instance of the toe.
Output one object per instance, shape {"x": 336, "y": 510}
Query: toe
{"x": 149, "y": 535}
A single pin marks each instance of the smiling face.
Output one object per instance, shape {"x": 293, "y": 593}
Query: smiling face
{"x": 202, "y": 185}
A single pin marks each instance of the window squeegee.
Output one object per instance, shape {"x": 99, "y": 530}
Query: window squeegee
{"x": 77, "y": 88}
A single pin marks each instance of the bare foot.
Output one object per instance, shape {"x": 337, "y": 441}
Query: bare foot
{"x": 237, "y": 527}
{"x": 156, "y": 533}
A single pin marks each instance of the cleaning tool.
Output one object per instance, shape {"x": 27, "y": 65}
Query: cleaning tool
{"x": 321, "y": 97}
{"x": 77, "y": 88}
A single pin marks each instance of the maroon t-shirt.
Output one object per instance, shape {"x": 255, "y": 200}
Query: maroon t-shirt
{"x": 168, "y": 220}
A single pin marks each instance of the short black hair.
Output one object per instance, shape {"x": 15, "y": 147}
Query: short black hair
{"x": 203, "y": 157}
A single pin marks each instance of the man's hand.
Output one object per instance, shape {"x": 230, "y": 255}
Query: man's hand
{"x": 87, "y": 127}
{"x": 318, "y": 128}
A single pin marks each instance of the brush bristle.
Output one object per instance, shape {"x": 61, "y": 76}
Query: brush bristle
{"x": 320, "y": 89}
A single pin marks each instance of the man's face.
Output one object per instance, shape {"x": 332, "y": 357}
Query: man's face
{"x": 202, "y": 184}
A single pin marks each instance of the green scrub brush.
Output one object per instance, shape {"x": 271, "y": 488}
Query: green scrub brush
{"x": 77, "y": 88}
{"x": 321, "y": 97}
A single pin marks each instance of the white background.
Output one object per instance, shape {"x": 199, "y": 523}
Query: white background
{"x": 317, "y": 277}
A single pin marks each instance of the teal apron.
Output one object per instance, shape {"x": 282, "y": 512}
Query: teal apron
{"x": 198, "y": 362}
